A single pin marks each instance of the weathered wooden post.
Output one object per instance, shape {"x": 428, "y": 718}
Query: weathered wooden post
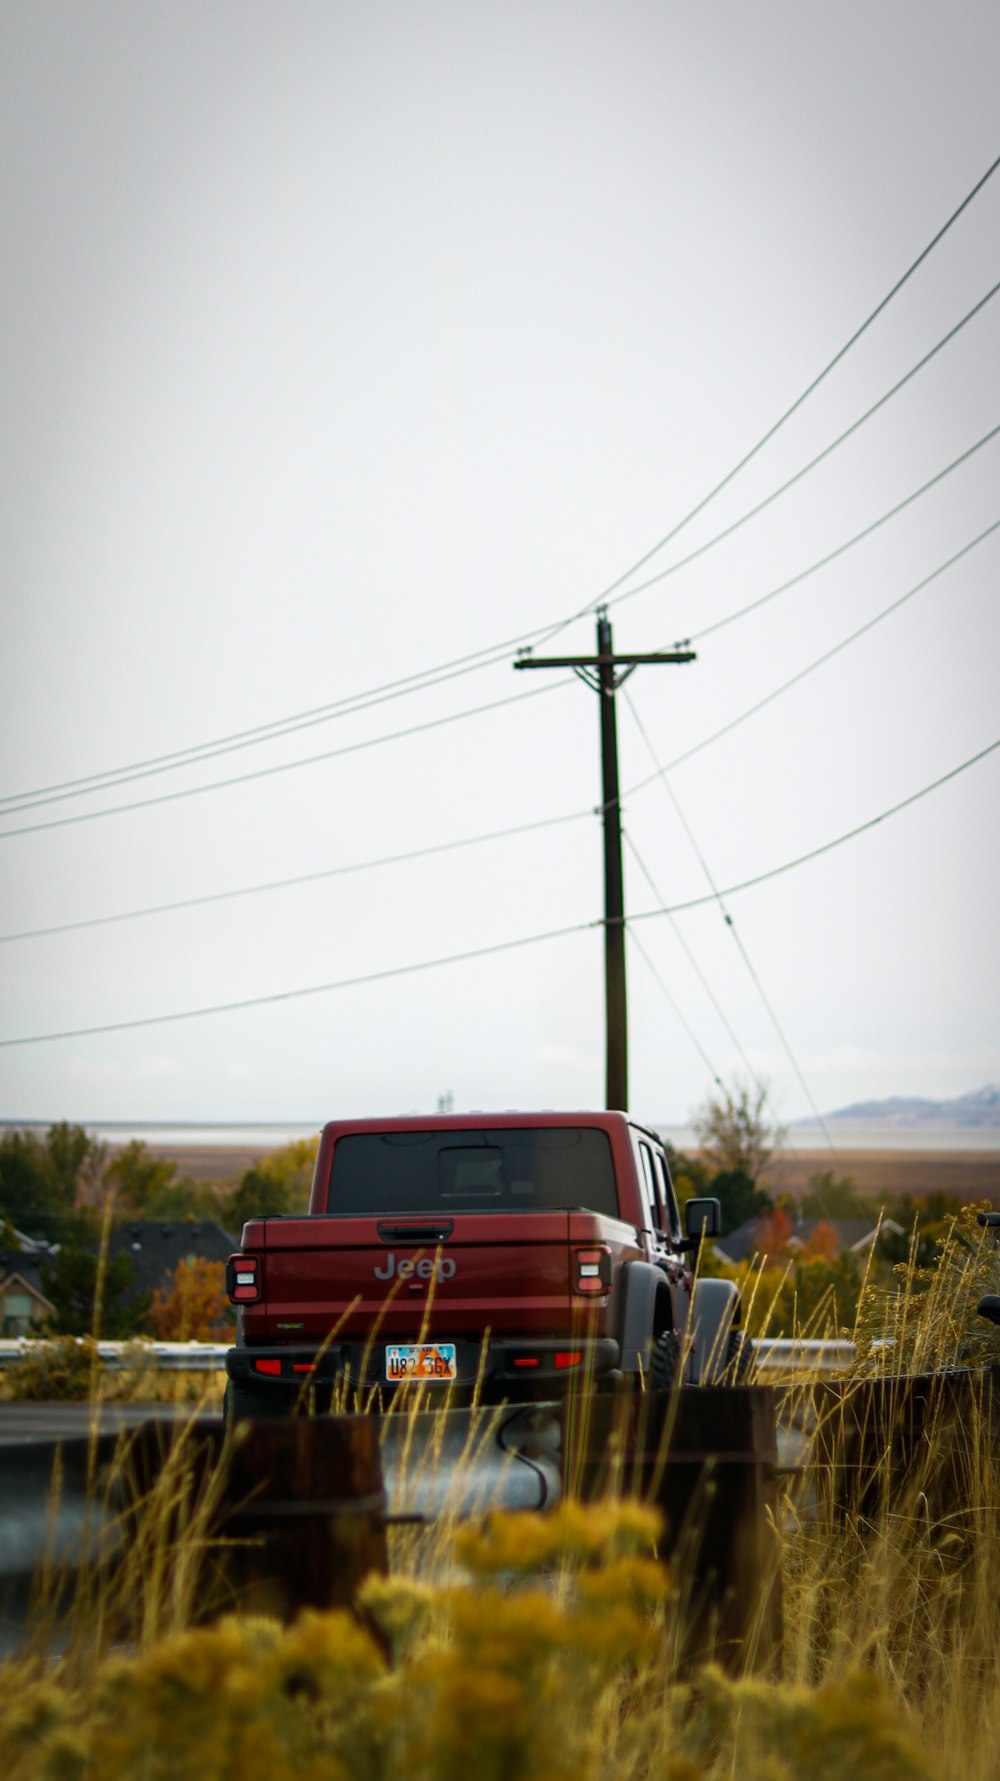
{"x": 879, "y": 1443}
{"x": 708, "y": 1459}
{"x": 300, "y": 1515}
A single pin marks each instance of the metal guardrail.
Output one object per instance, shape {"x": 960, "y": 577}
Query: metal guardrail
{"x": 774, "y": 1354}
{"x": 802, "y": 1354}
{"x": 160, "y": 1357}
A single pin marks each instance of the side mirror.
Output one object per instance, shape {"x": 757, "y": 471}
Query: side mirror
{"x": 702, "y": 1218}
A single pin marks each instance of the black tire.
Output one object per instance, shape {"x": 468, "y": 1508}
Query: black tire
{"x": 740, "y": 1359}
{"x": 665, "y": 1362}
{"x": 243, "y": 1404}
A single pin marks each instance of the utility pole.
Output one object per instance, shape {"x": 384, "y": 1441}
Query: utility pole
{"x": 604, "y": 673}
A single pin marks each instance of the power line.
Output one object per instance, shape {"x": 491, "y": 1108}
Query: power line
{"x": 731, "y": 925}
{"x": 635, "y": 941}
{"x": 699, "y": 973}
{"x": 270, "y": 732}
{"x": 841, "y": 549}
{"x": 790, "y": 482}
{"x": 761, "y": 1087}
{"x": 816, "y": 853}
{"x": 316, "y": 989}
{"x": 474, "y": 711}
{"x": 276, "y": 884}
{"x": 215, "y": 785}
{"x": 506, "y": 945}
{"x": 811, "y": 667}
{"x": 482, "y": 658}
{"x": 668, "y": 537}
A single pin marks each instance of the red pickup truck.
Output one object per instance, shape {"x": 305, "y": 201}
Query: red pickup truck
{"x": 522, "y": 1251}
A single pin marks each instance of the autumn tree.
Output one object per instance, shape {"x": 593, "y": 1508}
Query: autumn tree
{"x": 824, "y": 1243}
{"x": 774, "y": 1233}
{"x": 192, "y": 1305}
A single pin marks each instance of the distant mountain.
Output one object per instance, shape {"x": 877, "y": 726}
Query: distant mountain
{"x": 979, "y": 1109}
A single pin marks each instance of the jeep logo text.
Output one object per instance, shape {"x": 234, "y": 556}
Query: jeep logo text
{"x": 444, "y": 1268}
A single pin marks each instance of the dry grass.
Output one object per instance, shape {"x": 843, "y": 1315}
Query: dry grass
{"x": 529, "y": 1648}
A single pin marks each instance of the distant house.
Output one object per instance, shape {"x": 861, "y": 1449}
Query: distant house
{"x": 23, "y": 1304}
{"x": 156, "y": 1247}
{"x": 854, "y": 1234}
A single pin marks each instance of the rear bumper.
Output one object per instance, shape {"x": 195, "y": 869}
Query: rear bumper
{"x": 507, "y": 1364}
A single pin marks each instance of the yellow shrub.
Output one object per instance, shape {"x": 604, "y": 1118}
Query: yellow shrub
{"x": 551, "y": 1663}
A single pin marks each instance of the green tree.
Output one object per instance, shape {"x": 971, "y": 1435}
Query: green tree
{"x": 137, "y": 1175}
{"x": 828, "y": 1197}
{"x": 689, "y": 1175}
{"x": 738, "y": 1197}
{"x": 734, "y": 1133}
{"x": 69, "y": 1281}
{"x": 260, "y": 1195}
{"x": 185, "y": 1198}
{"x": 277, "y": 1184}
{"x": 826, "y": 1291}
{"x": 926, "y": 1221}
{"x": 40, "y": 1182}
{"x": 76, "y": 1160}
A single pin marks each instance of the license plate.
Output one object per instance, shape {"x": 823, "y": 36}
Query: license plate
{"x": 420, "y": 1360}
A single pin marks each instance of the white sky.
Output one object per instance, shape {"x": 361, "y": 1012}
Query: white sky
{"x": 343, "y": 340}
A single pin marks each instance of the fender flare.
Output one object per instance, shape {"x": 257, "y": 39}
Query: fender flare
{"x": 641, "y": 1285}
{"x": 714, "y": 1305}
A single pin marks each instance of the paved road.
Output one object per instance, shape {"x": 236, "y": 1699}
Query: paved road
{"x": 22, "y": 1423}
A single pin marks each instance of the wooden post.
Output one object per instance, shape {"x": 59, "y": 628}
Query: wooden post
{"x": 707, "y": 1459}
{"x": 300, "y": 1522}
{"x": 879, "y": 1443}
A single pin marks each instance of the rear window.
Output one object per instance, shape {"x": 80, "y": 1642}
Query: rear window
{"x": 535, "y": 1169}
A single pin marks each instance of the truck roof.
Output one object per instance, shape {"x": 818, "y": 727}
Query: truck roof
{"x": 480, "y": 1117}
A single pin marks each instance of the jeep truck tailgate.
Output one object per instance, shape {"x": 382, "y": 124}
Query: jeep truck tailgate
{"x": 399, "y": 1275}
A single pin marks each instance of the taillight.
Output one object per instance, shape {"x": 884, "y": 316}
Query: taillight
{"x": 268, "y": 1366}
{"x": 568, "y": 1357}
{"x": 593, "y": 1271}
{"x": 243, "y": 1278}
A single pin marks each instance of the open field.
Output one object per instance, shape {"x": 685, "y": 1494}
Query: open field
{"x": 208, "y": 1162}
{"x": 966, "y": 1174}
{"x": 878, "y": 1174}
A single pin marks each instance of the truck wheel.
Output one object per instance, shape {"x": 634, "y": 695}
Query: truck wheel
{"x": 665, "y": 1362}
{"x": 242, "y": 1404}
{"x": 740, "y": 1361}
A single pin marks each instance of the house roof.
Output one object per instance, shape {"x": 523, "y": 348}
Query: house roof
{"x": 23, "y": 1267}
{"x": 39, "y": 1246}
{"x": 852, "y": 1233}
{"x": 155, "y": 1247}
{"x": 18, "y": 1277}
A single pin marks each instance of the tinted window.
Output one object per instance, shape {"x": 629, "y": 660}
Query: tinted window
{"x": 518, "y": 1170}
{"x": 653, "y": 1218}
{"x": 669, "y": 1197}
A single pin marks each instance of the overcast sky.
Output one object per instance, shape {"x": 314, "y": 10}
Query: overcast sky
{"x": 343, "y": 341}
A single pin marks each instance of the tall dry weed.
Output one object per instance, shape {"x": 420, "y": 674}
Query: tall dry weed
{"x": 529, "y": 1648}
